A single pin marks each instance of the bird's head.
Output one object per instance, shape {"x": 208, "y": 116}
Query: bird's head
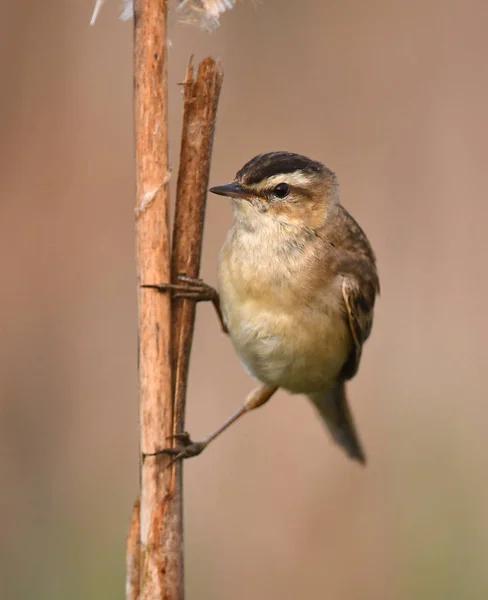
{"x": 290, "y": 188}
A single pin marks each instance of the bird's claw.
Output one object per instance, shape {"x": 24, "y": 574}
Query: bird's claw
{"x": 194, "y": 289}
{"x": 185, "y": 449}
{"x": 189, "y": 287}
{"x": 183, "y": 437}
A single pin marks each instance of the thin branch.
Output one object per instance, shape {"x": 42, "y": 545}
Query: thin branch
{"x": 201, "y": 98}
{"x": 160, "y": 553}
{"x": 158, "y": 574}
{"x": 199, "y": 113}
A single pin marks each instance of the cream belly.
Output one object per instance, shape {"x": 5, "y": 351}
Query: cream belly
{"x": 283, "y": 335}
{"x": 302, "y": 352}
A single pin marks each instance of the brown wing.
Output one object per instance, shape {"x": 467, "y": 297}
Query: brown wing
{"x": 359, "y": 297}
{"x": 355, "y": 262}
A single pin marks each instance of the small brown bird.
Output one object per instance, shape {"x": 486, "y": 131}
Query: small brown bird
{"x": 297, "y": 285}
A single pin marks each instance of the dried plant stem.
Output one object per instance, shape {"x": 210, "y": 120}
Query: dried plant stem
{"x": 161, "y": 568}
{"x": 201, "y": 97}
{"x": 155, "y": 540}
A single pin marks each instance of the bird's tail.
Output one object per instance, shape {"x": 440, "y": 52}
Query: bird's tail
{"x": 334, "y": 410}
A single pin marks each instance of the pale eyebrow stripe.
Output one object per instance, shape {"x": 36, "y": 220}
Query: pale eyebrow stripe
{"x": 298, "y": 180}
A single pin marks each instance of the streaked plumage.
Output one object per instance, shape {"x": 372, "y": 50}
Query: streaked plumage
{"x": 297, "y": 283}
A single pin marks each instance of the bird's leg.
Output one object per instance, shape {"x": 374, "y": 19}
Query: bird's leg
{"x": 193, "y": 289}
{"x": 187, "y": 448}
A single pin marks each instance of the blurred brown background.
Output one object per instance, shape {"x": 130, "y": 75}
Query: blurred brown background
{"x": 390, "y": 95}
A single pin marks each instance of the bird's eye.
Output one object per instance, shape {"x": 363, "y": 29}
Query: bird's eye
{"x": 281, "y": 190}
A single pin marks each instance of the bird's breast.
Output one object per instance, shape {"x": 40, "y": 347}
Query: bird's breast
{"x": 285, "y": 332}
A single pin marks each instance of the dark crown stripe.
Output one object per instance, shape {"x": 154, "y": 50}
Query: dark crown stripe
{"x": 275, "y": 163}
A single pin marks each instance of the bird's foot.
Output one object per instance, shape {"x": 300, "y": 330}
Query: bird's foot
{"x": 188, "y": 287}
{"x": 185, "y": 449}
{"x": 193, "y": 289}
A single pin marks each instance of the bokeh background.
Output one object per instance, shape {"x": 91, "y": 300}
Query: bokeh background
{"x": 390, "y": 95}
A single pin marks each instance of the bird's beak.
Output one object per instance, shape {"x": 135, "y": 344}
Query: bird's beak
{"x": 231, "y": 190}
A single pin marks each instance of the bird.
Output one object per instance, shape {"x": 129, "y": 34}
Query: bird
{"x": 297, "y": 283}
